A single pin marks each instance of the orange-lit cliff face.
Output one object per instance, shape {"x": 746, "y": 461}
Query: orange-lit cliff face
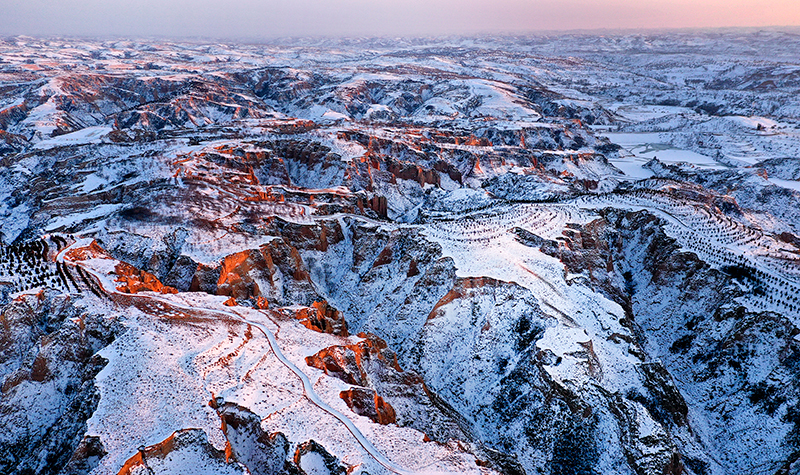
{"x": 133, "y": 280}
{"x": 367, "y": 402}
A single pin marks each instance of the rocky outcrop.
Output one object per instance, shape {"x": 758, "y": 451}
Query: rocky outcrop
{"x": 309, "y": 237}
{"x": 180, "y": 451}
{"x": 349, "y": 363}
{"x": 240, "y": 273}
{"x": 133, "y": 280}
{"x": 205, "y": 279}
{"x": 275, "y": 272}
{"x": 366, "y": 402}
{"x": 385, "y": 392}
{"x": 262, "y": 453}
{"x": 307, "y": 455}
{"x": 323, "y": 318}
{"x": 379, "y": 205}
{"x": 48, "y": 349}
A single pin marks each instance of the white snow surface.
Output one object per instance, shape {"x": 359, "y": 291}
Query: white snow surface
{"x": 155, "y": 384}
{"x": 181, "y": 350}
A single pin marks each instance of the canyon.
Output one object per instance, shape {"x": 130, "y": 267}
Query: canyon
{"x": 566, "y": 254}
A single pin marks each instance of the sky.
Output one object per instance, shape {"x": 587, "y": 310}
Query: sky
{"x": 280, "y": 18}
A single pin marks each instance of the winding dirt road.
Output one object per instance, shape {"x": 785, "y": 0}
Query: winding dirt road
{"x": 308, "y": 389}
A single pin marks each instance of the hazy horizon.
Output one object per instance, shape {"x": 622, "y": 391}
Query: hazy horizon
{"x": 281, "y": 18}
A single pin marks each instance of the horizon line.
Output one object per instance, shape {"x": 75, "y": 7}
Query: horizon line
{"x": 255, "y": 39}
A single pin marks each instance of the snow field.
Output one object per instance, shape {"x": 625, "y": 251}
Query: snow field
{"x": 168, "y": 386}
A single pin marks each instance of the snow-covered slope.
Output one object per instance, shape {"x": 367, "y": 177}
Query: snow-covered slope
{"x": 555, "y": 255}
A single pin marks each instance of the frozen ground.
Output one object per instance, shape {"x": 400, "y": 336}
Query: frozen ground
{"x": 461, "y": 198}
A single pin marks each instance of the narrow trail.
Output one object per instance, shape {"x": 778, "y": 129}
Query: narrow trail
{"x": 308, "y": 389}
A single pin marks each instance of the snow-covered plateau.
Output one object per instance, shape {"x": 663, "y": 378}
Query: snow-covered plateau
{"x": 555, "y": 255}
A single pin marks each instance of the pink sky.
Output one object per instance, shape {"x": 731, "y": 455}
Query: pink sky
{"x": 269, "y": 18}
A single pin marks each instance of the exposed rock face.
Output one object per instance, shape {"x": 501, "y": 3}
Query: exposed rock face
{"x": 205, "y": 279}
{"x": 323, "y": 318}
{"x": 366, "y": 402}
{"x": 182, "y": 449}
{"x": 347, "y": 362}
{"x": 48, "y": 368}
{"x": 269, "y": 454}
{"x": 235, "y": 278}
{"x": 385, "y": 392}
{"x": 309, "y": 454}
{"x": 274, "y": 272}
{"x": 133, "y": 280}
{"x": 248, "y": 444}
{"x": 86, "y": 456}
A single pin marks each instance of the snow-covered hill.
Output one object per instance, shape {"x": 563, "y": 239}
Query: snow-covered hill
{"x": 555, "y": 255}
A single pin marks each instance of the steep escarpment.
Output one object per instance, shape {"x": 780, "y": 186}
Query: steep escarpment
{"x": 187, "y": 447}
{"x": 49, "y": 344}
{"x": 475, "y": 344}
{"x": 492, "y": 330}
{"x": 387, "y": 393}
{"x": 264, "y": 453}
{"x": 276, "y": 267}
{"x": 733, "y": 369}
